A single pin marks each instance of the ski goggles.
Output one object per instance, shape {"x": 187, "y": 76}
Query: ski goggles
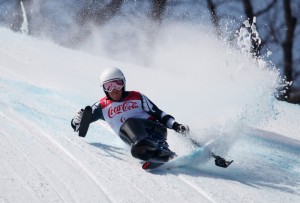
{"x": 111, "y": 85}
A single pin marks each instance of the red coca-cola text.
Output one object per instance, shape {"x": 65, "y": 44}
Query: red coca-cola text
{"x": 126, "y": 106}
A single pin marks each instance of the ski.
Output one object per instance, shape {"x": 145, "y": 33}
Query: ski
{"x": 219, "y": 161}
{"x": 85, "y": 121}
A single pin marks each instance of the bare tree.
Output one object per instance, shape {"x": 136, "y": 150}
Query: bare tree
{"x": 93, "y": 12}
{"x": 158, "y": 8}
{"x": 250, "y": 14}
{"x": 212, "y": 7}
{"x": 248, "y": 10}
{"x": 287, "y": 45}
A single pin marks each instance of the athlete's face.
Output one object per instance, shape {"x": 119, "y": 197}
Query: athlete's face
{"x": 116, "y": 95}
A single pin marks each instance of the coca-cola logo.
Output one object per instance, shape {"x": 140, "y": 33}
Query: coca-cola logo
{"x": 126, "y": 106}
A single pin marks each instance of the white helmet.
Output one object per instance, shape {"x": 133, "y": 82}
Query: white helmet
{"x": 110, "y": 74}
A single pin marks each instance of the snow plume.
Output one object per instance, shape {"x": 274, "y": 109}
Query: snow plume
{"x": 221, "y": 91}
{"x": 226, "y": 91}
{"x": 124, "y": 39}
{"x": 218, "y": 90}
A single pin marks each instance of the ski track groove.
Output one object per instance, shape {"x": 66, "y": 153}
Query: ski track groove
{"x": 192, "y": 186}
{"x": 198, "y": 189}
{"x": 110, "y": 168}
{"x": 17, "y": 176}
{"x": 32, "y": 164}
{"x": 39, "y": 131}
{"x": 145, "y": 195}
{"x": 34, "y": 127}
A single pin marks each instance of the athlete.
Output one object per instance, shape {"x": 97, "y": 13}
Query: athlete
{"x": 132, "y": 116}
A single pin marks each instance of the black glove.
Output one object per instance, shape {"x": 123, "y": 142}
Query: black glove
{"x": 75, "y": 123}
{"x": 182, "y": 129}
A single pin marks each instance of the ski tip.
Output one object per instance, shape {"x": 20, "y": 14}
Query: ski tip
{"x": 146, "y": 165}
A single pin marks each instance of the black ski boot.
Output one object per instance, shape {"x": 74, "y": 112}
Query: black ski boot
{"x": 143, "y": 149}
{"x": 150, "y": 150}
{"x": 162, "y": 153}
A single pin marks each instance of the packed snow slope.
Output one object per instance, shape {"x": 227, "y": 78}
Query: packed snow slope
{"x": 226, "y": 97}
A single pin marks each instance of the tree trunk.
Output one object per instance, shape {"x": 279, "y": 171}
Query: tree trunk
{"x": 158, "y": 8}
{"x": 214, "y": 17}
{"x": 110, "y": 10}
{"x": 290, "y": 22}
{"x": 248, "y": 8}
{"x": 99, "y": 16}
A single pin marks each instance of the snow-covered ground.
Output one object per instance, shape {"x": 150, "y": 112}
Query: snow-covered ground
{"x": 225, "y": 97}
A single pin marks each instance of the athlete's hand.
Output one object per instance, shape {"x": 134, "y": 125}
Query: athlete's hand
{"x": 77, "y": 119}
{"x": 180, "y": 128}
